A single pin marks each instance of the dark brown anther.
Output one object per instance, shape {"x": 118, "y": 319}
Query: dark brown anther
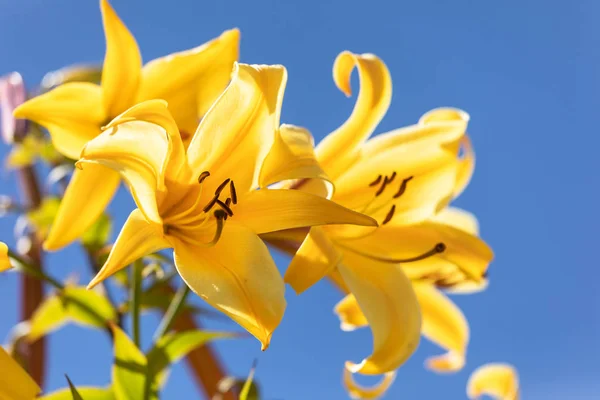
{"x": 389, "y": 215}
{"x": 232, "y": 192}
{"x": 225, "y": 207}
{"x": 392, "y": 177}
{"x": 220, "y": 214}
{"x": 402, "y": 187}
{"x": 376, "y": 181}
{"x": 203, "y": 176}
{"x": 228, "y": 201}
{"x": 440, "y": 247}
{"x": 210, "y": 204}
{"x": 221, "y": 187}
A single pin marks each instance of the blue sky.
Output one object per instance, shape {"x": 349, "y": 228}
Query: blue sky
{"x": 526, "y": 71}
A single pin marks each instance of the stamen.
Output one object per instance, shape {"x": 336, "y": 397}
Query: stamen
{"x": 228, "y": 201}
{"x": 203, "y": 176}
{"x": 389, "y": 215}
{"x": 392, "y": 177}
{"x": 221, "y": 187}
{"x": 376, "y": 181}
{"x": 225, "y": 207}
{"x": 232, "y": 192}
{"x": 438, "y": 248}
{"x": 211, "y": 203}
{"x": 386, "y": 180}
{"x": 402, "y": 187}
{"x": 220, "y": 215}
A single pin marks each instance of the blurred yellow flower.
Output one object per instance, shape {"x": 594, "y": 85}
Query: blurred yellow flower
{"x": 500, "y": 381}
{"x": 403, "y": 179}
{"x": 74, "y": 112}
{"x": 15, "y": 383}
{"x": 202, "y": 202}
{"x": 4, "y": 261}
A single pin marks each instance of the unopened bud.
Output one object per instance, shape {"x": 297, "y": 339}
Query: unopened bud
{"x": 12, "y": 95}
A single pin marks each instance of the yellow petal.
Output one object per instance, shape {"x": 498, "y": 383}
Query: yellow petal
{"x": 459, "y": 219}
{"x": 386, "y": 297}
{"x": 238, "y": 131}
{"x": 143, "y": 167}
{"x": 238, "y": 277}
{"x": 356, "y": 391}
{"x": 137, "y": 238}
{"x": 122, "y": 63}
{"x": 293, "y": 157}
{"x": 4, "y": 261}
{"x": 269, "y": 210}
{"x": 340, "y": 148}
{"x": 466, "y": 166}
{"x": 72, "y": 113}
{"x": 500, "y": 381}
{"x": 350, "y": 315}
{"x": 190, "y": 81}
{"x": 87, "y": 196}
{"x": 445, "y": 325}
{"x": 15, "y": 383}
{"x": 316, "y": 257}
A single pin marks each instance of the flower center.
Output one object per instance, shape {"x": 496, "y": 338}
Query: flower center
{"x": 382, "y": 182}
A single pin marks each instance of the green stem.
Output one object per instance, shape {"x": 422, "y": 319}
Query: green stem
{"x": 172, "y": 311}
{"x": 31, "y": 270}
{"x": 135, "y": 297}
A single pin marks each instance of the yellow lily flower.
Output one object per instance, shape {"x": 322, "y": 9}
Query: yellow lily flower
{"x": 402, "y": 179}
{"x": 500, "y": 381}
{"x": 15, "y": 383}
{"x": 202, "y": 201}
{"x": 4, "y": 261}
{"x": 74, "y": 112}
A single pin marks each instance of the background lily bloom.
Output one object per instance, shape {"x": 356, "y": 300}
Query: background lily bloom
{"x": 4, "y": 261}
{"x": 500, "y": 381}
{"x": 15, "y": 383}
{"x": 202, "y": 202}
{"x": 402, "y": 179}
{"x": 74, "y": 112}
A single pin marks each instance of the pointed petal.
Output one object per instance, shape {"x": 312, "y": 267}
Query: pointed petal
{"x": 269, "y": 210}
{"x": 466, "y": 166}
{"x": 293, "y": 157}
{"x": 122, "y": 63}
{"x": 238, "y": 131}
{"x": 500, "y": 381}
{"x": 356, "y": 391}
{"x": 316, "y": 257}
{"x": 87, "y": 196}
{"x": 4, "y": 261}
{"x": 143, "y": 167}
{"x": 350, "y": 315}
{"x": 340, "y": 148}
{"x": 445, "y": 325}
{"x": 137, "y": 239}
{"x": 15, "y": 383}
{"x": 389, "y": 303}
{"x": 238, "y": 277}
{"x": 190, "y": 81}
{"x": 459, "y": 219}
{"x": 72, "y": 113}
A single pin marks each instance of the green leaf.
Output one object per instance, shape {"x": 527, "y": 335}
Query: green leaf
{"x": 86, "y": 392}
{"x": 73, "y": 304}
{"x": 98, "y": 234}
{"x": 130, "y": 368}
{"x": 43, "y": 216}
{"x": 29, "y": 150}
{"x": 250, "y": 390}
{"x": 74, "y": 392}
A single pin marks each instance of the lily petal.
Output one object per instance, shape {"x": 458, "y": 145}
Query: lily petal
{"x": 356, "y": 391}
{"x": 4, "y": 261}
{"x": 238, "y": 277}
{"x": 238, "y": 131}
{"x": 350, "y": 315}
{"x": 122, "y": 63}
{"x": 87, "y": 196}
{"x": 137, "y": 239}
{"x": 340, "y": 148}
{"x": 72, "y": 113}
{"x": 387, "y": 299}
{"x": 445, "y": 325}
{"x": 293, "y": 157}
{"x": 143, "y": 167}
{"x": 316, "y": 257}
{"x": 190, "y": 81}
{"x": 15, "y": 383}
{"x": 497, "y": 380}
{"x": 459, "y": 219}
{"x": 466, "y": 166}
{"x": 269, "y": 210}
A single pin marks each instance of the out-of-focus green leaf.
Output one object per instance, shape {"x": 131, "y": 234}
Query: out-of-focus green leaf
{"x": 43, "y": 216}
{"x": 73, "y": 304}
{"x": 29, "y": 150}
{"x": 74, "y": 392}
{"x": 86, "y": 392}
{"x": 130, "y": 369}
{"x": 250, "y": 390}
{"x": 98, "y": 234}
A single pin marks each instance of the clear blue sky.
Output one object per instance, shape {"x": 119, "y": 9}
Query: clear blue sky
{"x": 526, "y": 71}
